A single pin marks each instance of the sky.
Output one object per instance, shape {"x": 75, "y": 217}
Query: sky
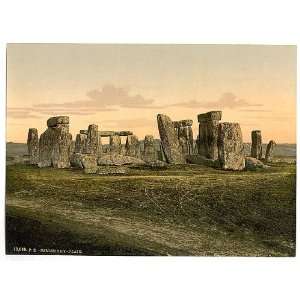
{"x": 124, "y": 87}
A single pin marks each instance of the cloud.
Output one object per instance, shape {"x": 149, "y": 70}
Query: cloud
{"x": 227, "y": 100}
{"x": 21, "y": 114}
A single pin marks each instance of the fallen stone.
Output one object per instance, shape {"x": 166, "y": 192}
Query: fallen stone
{"x": 33, "y": 146}
{"x": 118, "y": 160}
{"x": 231, "y": 147}
{"x": 253, "y": 164}
{"x": 169, "y": 140}
{"x": 112, "y": 170}
{"x": 270, "y": 151}
{"x": 54, "y": 121}
{"x": 202, "y": 160}
{"x": 256, "y": 147}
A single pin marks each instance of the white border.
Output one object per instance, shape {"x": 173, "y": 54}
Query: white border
{"x": 255, "y": 22}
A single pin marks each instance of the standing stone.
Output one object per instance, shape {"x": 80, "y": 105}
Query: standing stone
{"x": 169, "y": 140}
{"x": 150, "y": 153}
{"x": 55, "y": 144}
{"x": 208, "y": 134}
{"x": 33, "y": 146}
{"x": 92, "y": 140}
{"x": 185, "y": 136}
{"x": 115, "y": 145}
{"x": 269, "y": 151}
{"x": 230, "y": 146}
{"x": 256, "y": 147}
{"x": 80, "y": 143}
{"x": 133, "y": 146}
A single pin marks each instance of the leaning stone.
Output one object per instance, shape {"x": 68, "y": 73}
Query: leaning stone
{"x": 54, "y": 121}
{"x": 89, "y": 163}
{"x": 33, "y": 146}
{"x": 231, "y": 147}
{"x": 118, "y": 160}
{"x": 269, "y": 152}
{"x": 256, "y": 147}
{"x": 169, "y": 140}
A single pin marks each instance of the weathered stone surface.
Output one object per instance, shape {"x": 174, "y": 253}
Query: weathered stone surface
{"x": 269, "y": 151}
{"x": 183, "y": 123}
{"x": 185, "y": 136}
{"x": 256, "y": 147}
{"x": 54, "y": 147}
{"x": 112, "y": 170}
{"x": 54, "y": 121}
{"x": 149, "y": 153}
{"x": 75, "y": 160}
{"x": 169, "y": 140}
{"x": 231, "y": 147}
{"x": 133, "y": 146}
{"x": 33, "y": 146}
{"x": 89, "y": 163}
{"x": 202, "y": 160}
{"x": 253, "y": 164}
{"x": 210, "y": 116}
{"x": 208, "y": 139}
{"x": 106, "y": 133}
{"x": 80, "y": 143}
{"x": 115, "y": 144}
{"x": 83, "y": 131}
{"x": 93, "y": 142}
{"x": 118, "y": 160}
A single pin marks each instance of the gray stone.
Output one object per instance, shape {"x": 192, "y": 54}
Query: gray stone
{"x": 202, "y": 160}
{"x": 183, "y": 123}
{"x": 106, "y": 133}
{"x": 270, "y": 151}
{"x": 133, "y": 146}
{"x": 115, "y": 145}
{"x": 124, "y": 133}
{"x": 256, "y": 147}
{"x": 169, "y": 140}
{"x": 253, "y": 164}
{"x": 54, "y": 147}
{"x": 118, "y": 160}
{"x": 92, "y": 140}
{"x": 89, "y": 163}
{"x": 83, "y": 131}
{"x": 80, "y": 143}
{"x": 33, "y": 146}
{"x": 185, "y": 136}
{"x": 231, "y": 147}
{"x": 75, "y": 160}
{"x": 59, "y": 120}
{"x": 150, "y": 153}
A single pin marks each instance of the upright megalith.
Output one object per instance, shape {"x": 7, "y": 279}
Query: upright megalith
{"x": 256, "y": 147}
{"x": 208, "y": 134}
{"x": 80, "y": 142}
{"x": 184, "y": 132}
{"x": 115, "y": 144}
{"x": 55, "y": 143}
{"x": 93, "y": 142}
{"x": 33, "y": 146}
{"x": 132, "y": 146}
{"x": 230, "y": 146}
{"x": 169, "y": 140}
{"x": 150, "y": 153}
{"x": 269, "y": 152}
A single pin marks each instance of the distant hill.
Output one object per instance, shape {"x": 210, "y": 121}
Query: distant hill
{"x": 16, "y": 149}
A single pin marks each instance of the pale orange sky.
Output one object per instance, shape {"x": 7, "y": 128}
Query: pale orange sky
{"x": 124, "y": 87}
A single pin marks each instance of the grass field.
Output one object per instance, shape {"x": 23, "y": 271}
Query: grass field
{"x": 182, "y": 210}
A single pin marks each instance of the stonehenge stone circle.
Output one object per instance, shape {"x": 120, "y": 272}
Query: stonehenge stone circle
{"x": 269, "y": 151}
{"x": 55, "y": 144}
{"x": 132, "y": 146}
{"x": 33, "y": 146}
{"x": 230, "y": 146}
{"x": 208, "y": 134}
{"x": 149, "y": 153}
{"x": 93, "y": 142}
{"x": 169, "y": 140}
{"x": 256, "y": 146}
